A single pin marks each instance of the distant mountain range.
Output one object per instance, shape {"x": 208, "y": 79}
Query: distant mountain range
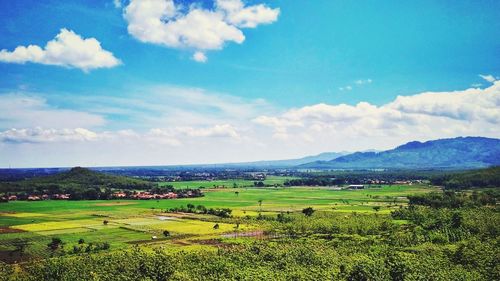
{"x": 461, "y": 152}
{"x": 325, "y": 156}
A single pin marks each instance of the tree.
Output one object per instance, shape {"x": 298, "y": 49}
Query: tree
{"x": 216, "y": 226}
{"x": 308, "y": 211}
{"x": 166, "y": 233}
{"x": 456, "y": 220}
{"x": 237, "y": 193}
{"x": 81, "y": 241}
{"x": 376, "y": 208}
{"x": 55, "y": 243}
{"x": 105, "y": 222}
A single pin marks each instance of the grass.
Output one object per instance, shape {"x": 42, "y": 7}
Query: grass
{"x": 136, "y": 221}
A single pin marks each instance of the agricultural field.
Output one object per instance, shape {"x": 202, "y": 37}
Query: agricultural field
{"x": 270, "y": 180}
{"x": 123, "y": 223}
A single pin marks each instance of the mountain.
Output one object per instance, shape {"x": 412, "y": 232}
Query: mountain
{"x": 325, "y": 156}
{"x": 461, "y": 152}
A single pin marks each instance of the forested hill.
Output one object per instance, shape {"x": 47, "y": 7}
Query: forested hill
{"x": 456, "y": 153}
{"x": 489, "y": 177}
{"x": 76, "y": 180}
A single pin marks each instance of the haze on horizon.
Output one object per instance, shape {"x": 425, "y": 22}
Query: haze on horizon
{"x": 162, "y": 82}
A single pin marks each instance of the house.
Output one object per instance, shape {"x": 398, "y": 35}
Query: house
{"x": 356, "y": 186}
{"x": 119, "y": 195}
{"x": 34, "y": 198}
{"x": 171, "y": 195}
{"x": 12, "y": 198}
{"x": 61, "y": 196}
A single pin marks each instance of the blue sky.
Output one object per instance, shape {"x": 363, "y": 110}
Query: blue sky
{"x": 271, "y": 79}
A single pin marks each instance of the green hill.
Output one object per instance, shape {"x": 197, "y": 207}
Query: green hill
{"x": 83, "y": 176}
{"x": 81, "y": 183}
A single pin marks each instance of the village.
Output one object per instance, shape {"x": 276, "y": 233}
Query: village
{"x": 137, "y": 195}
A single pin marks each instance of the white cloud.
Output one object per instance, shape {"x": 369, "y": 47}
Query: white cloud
{"x": 216, "y": 131}
{"x": 39, "y": 135}
{"x": 363, "y": 81}
{"x": 171, "y": 136}
{"x": 20, "y": 110}
{"x": 164, "y": 23}
{"x": 346, "y": 88}
{"x": 117, "y": 3}
{"x": 468, "y": 105}
{"x": 236, "y": 13}
{"x": 67, "y": 49}
{"x": 490, "y": 78}
{"x": 421, "y": 116}
{"x": 172, "y": 125}
{"x": 199, "y": 57}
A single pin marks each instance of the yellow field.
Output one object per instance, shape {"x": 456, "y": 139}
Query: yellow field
{"x": 57, "y": 225}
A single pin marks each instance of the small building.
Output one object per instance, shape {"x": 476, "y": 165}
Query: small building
{"x": 119, "y": 195}
{"x": 356, "y": 186}
{"x": 34, "y": 198}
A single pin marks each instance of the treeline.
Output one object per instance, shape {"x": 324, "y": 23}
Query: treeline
{"x": 451, "y": 199}
{"x": 314, "y": 181}
{"x": 489, "y": 177}
{"x": 200, "y": 209}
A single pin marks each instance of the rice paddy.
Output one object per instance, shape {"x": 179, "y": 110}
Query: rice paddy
{"x": 122, "y": 223}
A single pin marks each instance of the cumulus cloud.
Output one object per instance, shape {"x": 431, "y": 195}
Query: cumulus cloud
{"x": 247, "y": 17}
{"x": 490, "y": 78}
{"x": 173, "y": 125}
{"x": 471, "y": 104}
{"x": 164, "y": 23}
{"x": 440, "y": 114}
{"x": 67, "y": 49}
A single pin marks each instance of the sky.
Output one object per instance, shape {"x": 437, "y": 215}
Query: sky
{"x": 162, "y": 82}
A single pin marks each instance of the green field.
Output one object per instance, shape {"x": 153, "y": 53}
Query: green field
{"x": 135, "y": 221}
{"x": 270, "y": 180}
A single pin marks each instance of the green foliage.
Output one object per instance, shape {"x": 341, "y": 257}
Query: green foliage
{"x": 308, "y": 211}
{"x": 451, "y": 199}
{"x": 489, "y": 177}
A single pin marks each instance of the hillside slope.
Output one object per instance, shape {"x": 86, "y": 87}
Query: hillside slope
{"x": 461, "y": 152}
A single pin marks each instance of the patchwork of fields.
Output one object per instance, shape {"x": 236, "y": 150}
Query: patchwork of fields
{"x": 127, "y": 222}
